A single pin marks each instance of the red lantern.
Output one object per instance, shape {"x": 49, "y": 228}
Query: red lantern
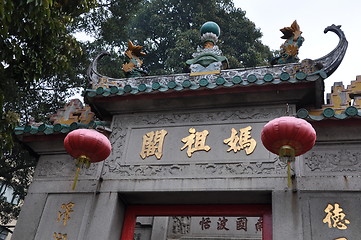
{"x": 288, "y": 137}
{"x": 86, "y": 146}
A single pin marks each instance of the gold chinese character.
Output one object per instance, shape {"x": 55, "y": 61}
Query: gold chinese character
{"x": 198, "y": 139}
{"x": 243, "y": 142}
{"x": 59, "y": 236}
{"x": 335, "y": 217}
{"x": 65, "y": 215}
{"x": 153, "y": 144}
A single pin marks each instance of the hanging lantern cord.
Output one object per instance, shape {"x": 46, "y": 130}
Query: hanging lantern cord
{"x": 287, "y": 153}
{"x": 81, "y": 161}
{"x": 287, "y": 109}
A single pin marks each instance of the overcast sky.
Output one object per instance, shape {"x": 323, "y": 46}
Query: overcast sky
{"x": 313, "y": 16}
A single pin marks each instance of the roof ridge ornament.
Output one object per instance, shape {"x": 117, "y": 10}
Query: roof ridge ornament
{"x": 132, "y": 67}
{"x": 289, "y": 49}
{"x": 306, "y": 70}
{"x": 209, "y": 58}
{"x": 73, "y": 111}
{"x": 342, "y": 102}
{"x": 333, "y": 59}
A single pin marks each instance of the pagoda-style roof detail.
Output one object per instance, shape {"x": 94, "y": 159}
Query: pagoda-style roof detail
{"x": 342, "y": 103}
{"x": 306, "y": 71}
{"x": 73, "y": 115}
{"x": 73, "y": 111}
{"x": 227, "y": 78}
{"x": 58, "y": 128}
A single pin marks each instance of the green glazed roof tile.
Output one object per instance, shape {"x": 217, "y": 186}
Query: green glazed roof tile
{"x": 203, "y": 82}
{"x": 268, "y": 77}
{"x": 284, "y": 76}
{"x": 185, "y": 82}
{"x": 45, "y": 129}
{"x": 316, "y": 118}
{"x": 328, "y": 112}
{"x": 237, "y": 79}
{"x": 211, "y": 85}
{"x": 341, "y": 116}
{"x": 351, "y": 111}
{"x": 194, "y": 87}
{"x": 228, "y": 84}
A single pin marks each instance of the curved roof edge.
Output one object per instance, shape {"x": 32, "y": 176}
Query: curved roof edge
{"x": 307, "y": 70}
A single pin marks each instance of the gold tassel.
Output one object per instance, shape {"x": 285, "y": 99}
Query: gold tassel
{"x": 76, "y": 178}
{"x": 81, "y": 161}
{"x": 287, "y": 153}
{"x": 289, "y": 174}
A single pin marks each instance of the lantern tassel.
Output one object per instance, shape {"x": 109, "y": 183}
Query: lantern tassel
{"x": 76, "y": 178}
{"x": 289, "y": 174}
{"x": 81, "y": 161}
{"x": 287, "y": 153}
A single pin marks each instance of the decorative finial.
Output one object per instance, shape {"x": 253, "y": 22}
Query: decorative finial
{"x": 133, "y": 67}
{"x": 208, "y": 59}
{"x": 210, "y": 32}
{"x": 289, "y": 49}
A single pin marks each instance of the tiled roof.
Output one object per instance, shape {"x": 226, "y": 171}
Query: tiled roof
{"x": 45, "y": 129}
{"x": 329, "y": 113}
{"x": 227, "y": 78}
{"x": 342, "y": 103}
{"x": 306, "y": 71}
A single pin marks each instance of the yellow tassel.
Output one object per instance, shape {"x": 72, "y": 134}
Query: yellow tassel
{"x": 76, "y": 178}
{"x": 81, "y": 161}
{"x": 289, "y": 174}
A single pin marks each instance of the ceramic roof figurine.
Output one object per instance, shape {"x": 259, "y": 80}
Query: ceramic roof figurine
{"x": 289, "y": 49}
{"x": 208, "y": 59}
{"x": 306, "y": 71}
{"x": 132, "y": 67}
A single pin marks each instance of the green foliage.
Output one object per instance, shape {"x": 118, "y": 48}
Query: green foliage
{"x": 39, "y": 64}
{"x": 16, "y": 170}
{"x": 169, "y": 31}
{"x": 107, "y": 24}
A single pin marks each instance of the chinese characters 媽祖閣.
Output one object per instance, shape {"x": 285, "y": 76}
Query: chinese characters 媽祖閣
{"x": 153, "y": 142}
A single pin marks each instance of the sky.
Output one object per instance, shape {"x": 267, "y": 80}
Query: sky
{"x": 313, "y": 16}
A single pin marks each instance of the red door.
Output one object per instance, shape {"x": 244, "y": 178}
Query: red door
{"x": 133, "y": 211}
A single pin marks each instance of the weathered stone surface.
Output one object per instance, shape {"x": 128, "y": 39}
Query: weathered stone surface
{"x": 126, "y": 162}
{"x": 316, "y": 219}
{"x": 333, "y": 159}
{"x": 62, "y": 166}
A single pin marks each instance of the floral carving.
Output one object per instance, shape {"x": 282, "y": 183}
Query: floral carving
{"x": 333, "y": 161}
{"x": 64, "y": 167}
{"x": 200, "y": 170}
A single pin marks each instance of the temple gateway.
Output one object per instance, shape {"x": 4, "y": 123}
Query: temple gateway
{"x": 189, "y": 158}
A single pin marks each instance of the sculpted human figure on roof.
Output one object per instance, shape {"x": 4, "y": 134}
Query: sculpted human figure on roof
{"x": 208, "y": 59}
